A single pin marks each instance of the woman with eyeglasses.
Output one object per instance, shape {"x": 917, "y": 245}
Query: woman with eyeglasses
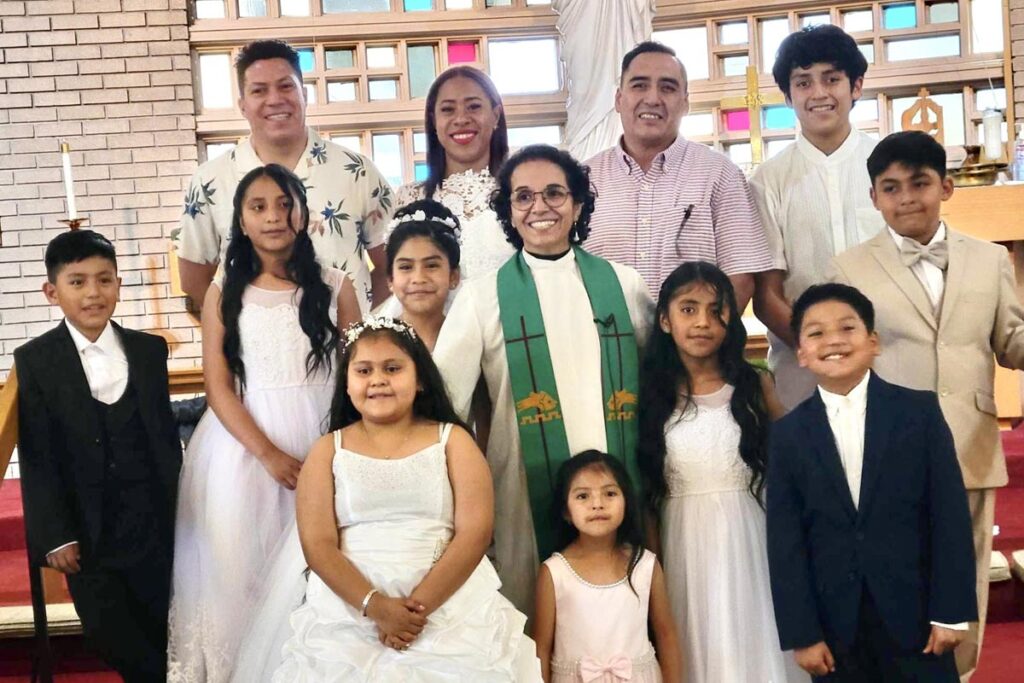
{"x": 555, "y": 333}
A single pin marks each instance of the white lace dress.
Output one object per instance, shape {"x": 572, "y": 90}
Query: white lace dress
{"x": 396, "y": 519}
{"x": 714, "y": 552}
{"x": 231, "y": 513}
{"x": 484, "y": 245}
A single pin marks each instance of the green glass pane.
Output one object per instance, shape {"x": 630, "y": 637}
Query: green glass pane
{"x": 421, "y": 69}
{"x": 344, "y": 58}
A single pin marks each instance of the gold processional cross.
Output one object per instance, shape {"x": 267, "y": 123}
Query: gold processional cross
{"x": 753, "y": 101}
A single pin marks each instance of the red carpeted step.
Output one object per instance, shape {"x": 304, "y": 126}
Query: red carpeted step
{"x": 1001, "y": 660}
{"x": 14, "y": 588}
{"x": 72, "y": 661}
{"x": 12, "y": 523}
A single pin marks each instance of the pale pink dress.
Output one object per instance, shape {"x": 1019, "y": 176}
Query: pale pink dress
{"x": 602, "y": 628}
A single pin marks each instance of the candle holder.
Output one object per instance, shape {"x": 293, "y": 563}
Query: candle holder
{"x": 74, "y": 223}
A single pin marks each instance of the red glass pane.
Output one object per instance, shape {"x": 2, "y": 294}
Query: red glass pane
{"x": 459, "y": 53}
{"x": 738, "y": 120}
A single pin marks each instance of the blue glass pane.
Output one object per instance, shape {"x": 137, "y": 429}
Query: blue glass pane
{"x": 306, "y": 60}
{"x": 899, "y": 16}
{"x": 776, "y": 118}
{"x": 421, "y": 171}
{"x": 418, "y": 5}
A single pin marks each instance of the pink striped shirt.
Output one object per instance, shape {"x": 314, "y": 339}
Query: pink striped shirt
{"x": 692, "y": 204}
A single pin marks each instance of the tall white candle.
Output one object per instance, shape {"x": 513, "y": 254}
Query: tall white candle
{"x": 69, "y": 182}
{"x": 992, "y": 133}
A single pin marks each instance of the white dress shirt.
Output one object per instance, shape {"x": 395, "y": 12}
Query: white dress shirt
{"x": 104, "y": 362}
{"x": 846, "y": 417}
{"x": 931, "y": 277}
{"x": 105, "y": 366}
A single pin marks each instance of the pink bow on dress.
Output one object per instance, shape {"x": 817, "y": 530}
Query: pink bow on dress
{"x": 619, "y": 666}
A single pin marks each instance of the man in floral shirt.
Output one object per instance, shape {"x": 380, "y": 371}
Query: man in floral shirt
{"x": 349, "y": 200}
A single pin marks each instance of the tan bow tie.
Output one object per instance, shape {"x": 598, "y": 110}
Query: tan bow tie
{"x": 912, "y": 251}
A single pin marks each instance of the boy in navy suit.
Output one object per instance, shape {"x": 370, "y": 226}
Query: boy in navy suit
{"x": 869, "y": 535}
{"x": 100, "y": 456}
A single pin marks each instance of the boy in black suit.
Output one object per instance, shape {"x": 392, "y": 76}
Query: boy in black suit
{"x": 869, "y": 536}
{"x": 99, "y": 457}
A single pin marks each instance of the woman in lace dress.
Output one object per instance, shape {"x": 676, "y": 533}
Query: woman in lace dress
{"x": 704, "y": 418}
{"x": 467, "y": 142}
{"x": 395, "y": 510}
{"x": 270, "y": 337}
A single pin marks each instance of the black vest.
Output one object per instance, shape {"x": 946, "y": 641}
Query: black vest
{"x": 132, "y": 509}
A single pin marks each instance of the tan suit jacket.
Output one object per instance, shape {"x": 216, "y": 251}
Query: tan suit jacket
{"x": 952, "y": 353}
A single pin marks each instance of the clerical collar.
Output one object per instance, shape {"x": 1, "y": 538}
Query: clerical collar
{"x": 548, "y": 257}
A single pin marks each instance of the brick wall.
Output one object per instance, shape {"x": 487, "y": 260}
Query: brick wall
{"x": 113, "y": 78}
{"x": 1017, "y": 54}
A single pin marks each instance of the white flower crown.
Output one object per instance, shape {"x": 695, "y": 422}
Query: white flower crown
{"x": 373, "y": 322}
{"x": 421, "y": 216}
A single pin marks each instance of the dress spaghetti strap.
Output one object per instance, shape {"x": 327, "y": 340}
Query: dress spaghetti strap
{"x": 337, "y": 440}
{"x": 445, "y": 429}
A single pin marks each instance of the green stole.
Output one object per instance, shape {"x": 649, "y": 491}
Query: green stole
{"x": 543, "y": 443}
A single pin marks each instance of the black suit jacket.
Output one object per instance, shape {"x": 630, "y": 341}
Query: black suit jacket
{"x": 909, "y": 541}
{"x": 60, "y": 441}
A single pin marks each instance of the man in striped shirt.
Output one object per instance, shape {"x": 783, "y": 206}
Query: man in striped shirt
{"x": 662, "y": 200}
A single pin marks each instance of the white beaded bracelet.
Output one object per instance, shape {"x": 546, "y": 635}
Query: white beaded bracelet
{"x": 366, "y": 600}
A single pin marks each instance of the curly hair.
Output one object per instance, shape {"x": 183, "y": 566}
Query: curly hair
{"x": 577, "y": 177}
{"x": 825, "y": 44}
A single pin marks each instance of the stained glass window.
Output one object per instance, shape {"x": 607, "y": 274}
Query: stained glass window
{"x": 422, "y": 69}
{"x": 306, "y": 61}
{"x": 899, "y": 16}
{"x": 421, "y": 171}
{"x": 736, "y": 121}
{"x": 340, "y": 58}
{"x": 461, "y": 52}
{"x": 418, "y": 5}
{"x": 776, "y": 118}
{"x": 943, "y": 12}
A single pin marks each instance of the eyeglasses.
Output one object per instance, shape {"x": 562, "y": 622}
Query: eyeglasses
{"x": 553, "y": 195}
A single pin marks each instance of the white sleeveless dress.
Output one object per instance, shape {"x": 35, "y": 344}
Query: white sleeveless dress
{"x": 232, "y": 514}
{"x": 714, "y": 552}
{"x": 396, "y": 518}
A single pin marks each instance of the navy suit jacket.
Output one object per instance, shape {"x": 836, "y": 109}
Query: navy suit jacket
{"x": 60, "y": 439}
{"x": 908, "y": 543}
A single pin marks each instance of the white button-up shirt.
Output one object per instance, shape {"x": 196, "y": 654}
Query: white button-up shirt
{"x": 931, "y": 277}
{"x": 846, "y": 417}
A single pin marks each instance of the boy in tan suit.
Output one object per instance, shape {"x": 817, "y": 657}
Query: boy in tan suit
{"x": 947, "y": 309}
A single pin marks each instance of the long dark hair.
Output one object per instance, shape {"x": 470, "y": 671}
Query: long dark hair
{"x": 663, "y": 377}
{"x": 242, "y": 265}
{"x": 436, "y": 159}
{"x": 431, "y": 402}
{"x": 630, "y": 532}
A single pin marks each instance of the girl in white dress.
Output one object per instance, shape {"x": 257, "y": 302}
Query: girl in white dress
{"x": 270, "y": 340}
{"x": 704, "y": 419}
{"x": 597, "y": 597}
{"x": 423, "y": 257}
{"x": 395, "y": 510}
